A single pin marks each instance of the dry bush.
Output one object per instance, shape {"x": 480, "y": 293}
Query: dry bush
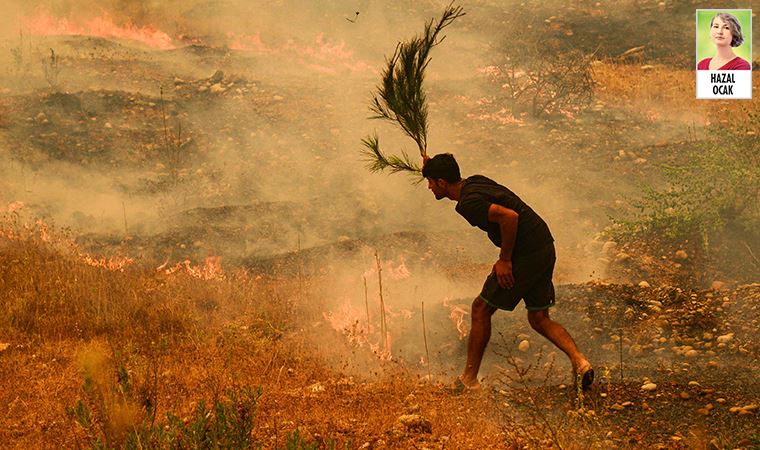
{"x": 545, "y": 82}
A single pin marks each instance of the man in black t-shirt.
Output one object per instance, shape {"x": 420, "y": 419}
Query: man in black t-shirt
{"x": 522, "y": 272}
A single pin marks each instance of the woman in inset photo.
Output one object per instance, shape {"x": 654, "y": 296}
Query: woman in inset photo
{"x": 725, "y": 33}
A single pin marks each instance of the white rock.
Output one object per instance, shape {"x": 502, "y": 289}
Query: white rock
{"x": 524, "y": 345}
{"x": 649, "y": 387}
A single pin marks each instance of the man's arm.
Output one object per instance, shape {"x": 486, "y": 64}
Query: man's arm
{"x": 507, "y": 220}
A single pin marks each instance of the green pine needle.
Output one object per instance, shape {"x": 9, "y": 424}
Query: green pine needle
{"x": 377, "y": 161}
{"x": 401, "y": 98}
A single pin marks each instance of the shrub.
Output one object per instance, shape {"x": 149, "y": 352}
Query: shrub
{"x": 536, "y": 70}
{"x": 113, "y": 416}
{"x": 714, "y": 188}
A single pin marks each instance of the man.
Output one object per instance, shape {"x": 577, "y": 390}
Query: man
{"x": 522, "y": 272}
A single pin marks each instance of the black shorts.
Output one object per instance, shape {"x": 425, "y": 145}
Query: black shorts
{"x": 533, "y": 283}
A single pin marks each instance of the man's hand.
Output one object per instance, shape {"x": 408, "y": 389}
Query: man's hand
{"x": 503, "y": 271}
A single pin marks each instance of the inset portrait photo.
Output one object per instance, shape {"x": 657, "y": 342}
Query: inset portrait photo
{"x": 724, "y": 53}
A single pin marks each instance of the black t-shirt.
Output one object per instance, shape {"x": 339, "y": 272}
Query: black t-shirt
{"x": 479, "y": 192}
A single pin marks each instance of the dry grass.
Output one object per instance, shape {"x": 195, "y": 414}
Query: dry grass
{"x": 56, "y": 291}
{"x": 77, "y": 329}
{"x": 659, "y": 92}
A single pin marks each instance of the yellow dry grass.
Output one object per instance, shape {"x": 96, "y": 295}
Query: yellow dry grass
{"x": 658, "y": 92}
{"x": 71, "y": 327}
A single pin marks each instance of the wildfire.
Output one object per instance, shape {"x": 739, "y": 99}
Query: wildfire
{"x": 322, "y": 55}
{"x": 457, "y": 315}
{"x": 102, "y": 26}
{"x": 41, "y": 230}
{"x": 210, "y": 270}
{"x": 113, "y": 264}
{"x": 391, "y": 270}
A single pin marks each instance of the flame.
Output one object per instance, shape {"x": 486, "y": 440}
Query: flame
{"x": 351, "y": 321}
{"x": 113, "y": 263}
{"x": 14, "y": 206}
{"x": 41, "y": 231}
{"x": 457, "y": 315}
{"x": 347, "y": 320}
{"x": 322, "y": 55}
{"x": 247, "y": 42}
{"x": 102, "y": 26}
{"x": 210, "y": 270}
{"x": 391, "y": 270}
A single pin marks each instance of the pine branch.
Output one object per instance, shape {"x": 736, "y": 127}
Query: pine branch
{"x": 377, "y": 161}
{"x": 400, "y": 97}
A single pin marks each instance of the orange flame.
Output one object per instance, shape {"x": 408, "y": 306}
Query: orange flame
{"x": 457, "y": 315}
{"x": 210, "y": 270}
{"x": 351, "y": 321}
{"x": 103, "y": 26}
{"x": 113, "y": 264}
{"x": 322, "y": 55}
{"x": 41, "y": 230}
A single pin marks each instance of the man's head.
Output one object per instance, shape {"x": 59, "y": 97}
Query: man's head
{"x": 441, "y": 171}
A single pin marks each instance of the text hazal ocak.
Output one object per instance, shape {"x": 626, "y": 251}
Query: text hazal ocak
{"x": 727, "y": 83}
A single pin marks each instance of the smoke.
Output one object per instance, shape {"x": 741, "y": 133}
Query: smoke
{"x": 241, "y": 139}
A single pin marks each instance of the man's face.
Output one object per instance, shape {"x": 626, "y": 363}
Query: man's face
{"x": 438, "y": 187}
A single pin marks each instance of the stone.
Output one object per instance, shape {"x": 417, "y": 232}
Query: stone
{"x": 726, "y": 338}
{"x": 649, "y": 387}
{"x": 414, "y": 422}
{"x": 644, "y": 285}
{"x": 622, "y": 256}
{"x": 524, "y": 345}
{"x": 680, "y": 254}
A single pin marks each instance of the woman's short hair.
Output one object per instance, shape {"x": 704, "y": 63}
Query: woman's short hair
{"x": 733, "y": 24}
{"x": 442, "y": 166}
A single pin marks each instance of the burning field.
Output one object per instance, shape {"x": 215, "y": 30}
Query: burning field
{"x": 193, "y": 253}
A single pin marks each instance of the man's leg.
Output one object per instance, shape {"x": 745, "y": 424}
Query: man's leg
{"x": 556, "y": 333}
{"x": 480, "y": 334}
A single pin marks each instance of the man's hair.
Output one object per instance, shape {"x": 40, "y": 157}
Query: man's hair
{"x": 442, "y": 166}
{"x": 733, "y": 24}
